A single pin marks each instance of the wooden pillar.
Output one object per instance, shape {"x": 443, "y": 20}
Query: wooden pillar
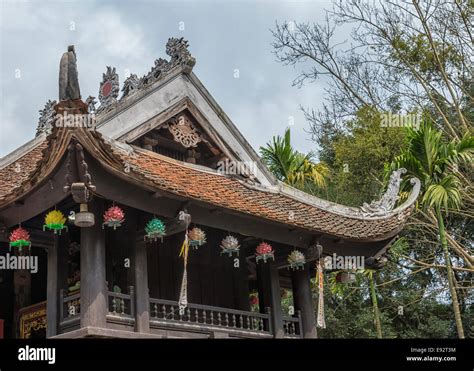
{"x": 52, "y": 295}
{"x": 240, "y": 282}
{"x": 142, "y": 294}
{"x": 56, "y": 280}
{"x": 303, "y": 301}
{"x": 93, "y": 287}
{"x": 22, "y": 290}
{"x": 269, "y": 295}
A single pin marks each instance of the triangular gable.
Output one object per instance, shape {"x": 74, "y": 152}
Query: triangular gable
{"x": 176, "y": 94}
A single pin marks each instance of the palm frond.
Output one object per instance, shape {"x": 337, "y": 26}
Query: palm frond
{"x": 444, "y": 195}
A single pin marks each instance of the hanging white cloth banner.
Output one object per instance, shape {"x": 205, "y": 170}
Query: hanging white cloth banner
{"x": 183, "y": 295}
{"x": 321, "y": 321}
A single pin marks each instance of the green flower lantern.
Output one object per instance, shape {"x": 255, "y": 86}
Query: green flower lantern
{"x": 155, "y": 229}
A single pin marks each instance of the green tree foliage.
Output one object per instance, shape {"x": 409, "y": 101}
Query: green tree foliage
{"x": 436, "y": 163}
{"x": 293, "y": 167}
{"x": 403, "y": 58}
{"x": 359, "y": 157}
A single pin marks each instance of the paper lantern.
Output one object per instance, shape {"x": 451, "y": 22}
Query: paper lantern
{"x": 264, "y": 251}
{"x": 197, "y": 237}
{"x": 155, "y": 229}
{"x": 55, "y": 221}
{"x": 253, "y": 300}
{"x": 113, "y": 217}
{"x": 20, "y": 238}
{"x": 345, "y": 277}
{"x": 230, "y": 245}
{"x": 296, "y": 259}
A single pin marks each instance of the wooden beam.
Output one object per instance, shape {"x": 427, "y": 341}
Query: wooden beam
{"x": 37, "y": 202}
{"x": 135, "y": 194}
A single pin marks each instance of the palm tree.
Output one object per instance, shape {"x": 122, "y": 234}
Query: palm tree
{"x": 293, "y": 167}
{"x": 435, "y": 162}
{"x": 337, "y": 288}
{"x": 373, "y": 297}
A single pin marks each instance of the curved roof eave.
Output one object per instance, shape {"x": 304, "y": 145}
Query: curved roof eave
{"x": 281, "y": 204}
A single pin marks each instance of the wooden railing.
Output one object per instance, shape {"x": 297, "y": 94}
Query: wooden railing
{"x": 207, "y": 317}
{"x": 69, "y": 308}
{"x": 195, "y": 317}
{"x": 292, "y": 326}
{"x": 121, "y": 305}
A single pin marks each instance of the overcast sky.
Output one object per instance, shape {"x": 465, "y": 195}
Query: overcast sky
{"x": 130, "y": 35}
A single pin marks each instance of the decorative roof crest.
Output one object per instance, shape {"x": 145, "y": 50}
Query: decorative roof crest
{"x": 389, "y": 198}
{"x": 130, "y": 85}
{"x": 47, "y": 117}
{"x": 109, "y": 88}
{"x": 177, "y": 49}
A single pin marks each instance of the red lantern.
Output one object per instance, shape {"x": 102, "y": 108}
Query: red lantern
{"x": 114, "y": 217}
{"x": 20, "y": 238}
{"x": 264, "y": 251}
{"x": 254, "y": 300}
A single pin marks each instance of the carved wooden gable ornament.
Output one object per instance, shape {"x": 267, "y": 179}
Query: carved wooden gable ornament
{"x": 184, "y": 132}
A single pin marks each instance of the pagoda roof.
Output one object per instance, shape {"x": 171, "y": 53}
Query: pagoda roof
{"x": 31, "y": 167}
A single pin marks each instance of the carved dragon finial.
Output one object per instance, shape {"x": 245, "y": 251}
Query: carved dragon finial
{"x": 47, "y": 117}
{"x": 130, "y": 85}
{"x": 91, "y": 102}
{"x": 177, "y": 49}
{"x": 389, "y": 198}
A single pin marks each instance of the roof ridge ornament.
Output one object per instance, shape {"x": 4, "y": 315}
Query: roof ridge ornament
{"x": 47, "y": 117}
{"x": 177, "y": 50}
{"x": 130, "y": 85}
{"x": 389, "y": 198}
{"x": 69, "y": 92}
{"x": 109, "y": 88}
{"x": 91, "y": 102}
{"x": 68, "y": 77}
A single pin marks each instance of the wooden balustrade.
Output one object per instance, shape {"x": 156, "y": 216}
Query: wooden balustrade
{"x": 121, "y": 305}
{"x": 208, "y": 317}
{"x": 292, "y": 326}
{"x": 195, "y": 317}
{"x": 69, "y": 308}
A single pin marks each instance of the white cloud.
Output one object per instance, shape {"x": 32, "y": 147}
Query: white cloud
{"x": 11, "y": 135}
{"x": 108, "y": 32}
{"x": 131, "y": 35}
